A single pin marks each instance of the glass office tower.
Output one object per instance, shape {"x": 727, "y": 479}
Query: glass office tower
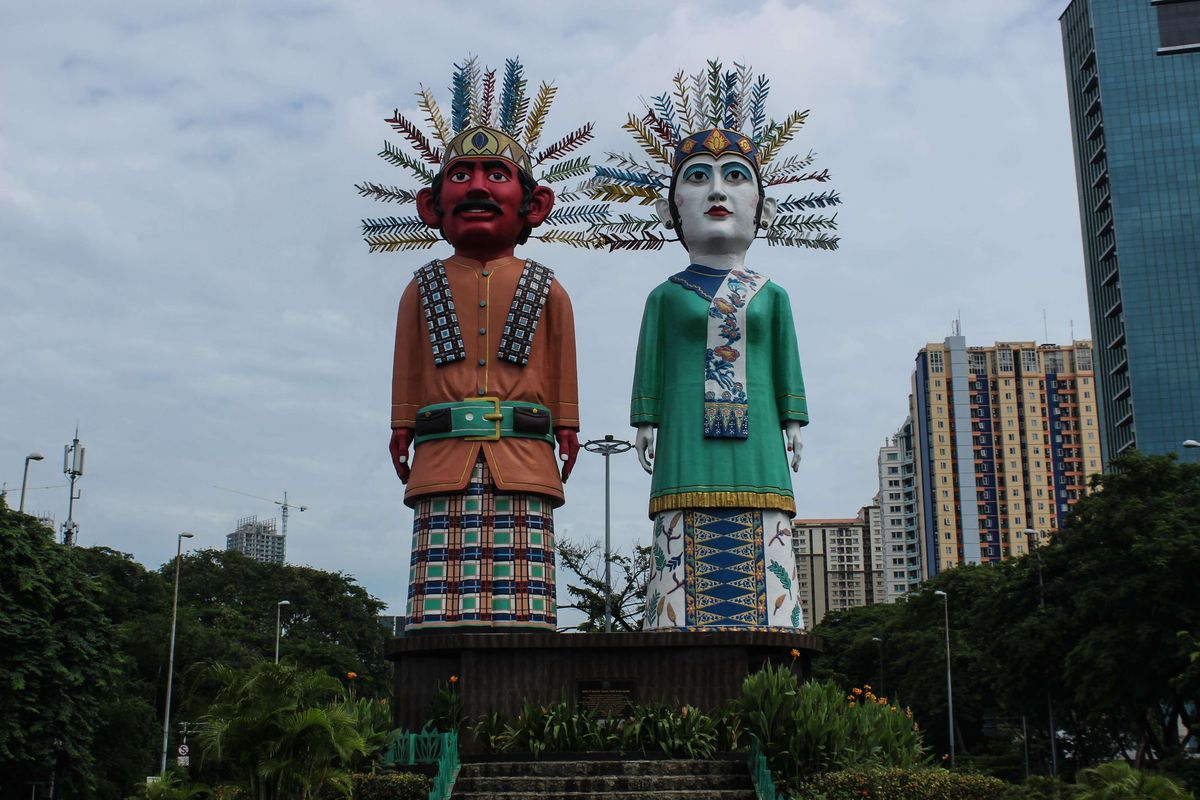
{"x": 1133, "y": 79}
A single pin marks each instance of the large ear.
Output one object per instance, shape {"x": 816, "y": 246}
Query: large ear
{"x": 770, "y": 208}
{"x": 663, "y": 209}
{"x": 427, "y": 208}
{"x": 541, "y": 203}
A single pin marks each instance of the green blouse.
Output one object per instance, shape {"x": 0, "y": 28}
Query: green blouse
{"x": 691, "y": 471}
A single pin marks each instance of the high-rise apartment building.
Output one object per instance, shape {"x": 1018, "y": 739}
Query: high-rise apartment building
{"x": 899, "y": 516}
{"x": 1004, "y": 438}
{"x": 258, "y": 539}
{"x": 839, "y": 563}
{"x": 1133, "y": 80}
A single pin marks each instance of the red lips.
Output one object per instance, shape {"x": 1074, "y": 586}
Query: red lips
{"x": 718, "y": 211}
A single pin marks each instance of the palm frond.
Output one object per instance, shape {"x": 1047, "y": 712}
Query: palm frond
{"x": 683, "y": 102}
{"x": 646, "y": 140}
{"x": 648, "y": 240}
{"x": 579, "y": 239}
{"x": 781, "y": 135}
{"x": 804, "y": 222}
{"x": 537, "y": 120}
{"x": 665, "y": 109}
{"x": 460, "y": 94}
{"x": 745, "y": 82}
{"x": 730, "y": 100}
{"x": 613, "y": 193}
{"x": 819, "y": 242}
{"x": 758, "y": 107}
{"x": 416, "y": 137}
{"x": 787, "y": 165}
{"x": 716, "y": 111}
{"x": 820, "y": 177}
{"x": 391, "y": 244}
{"x": 630, "y": 178}
{"x": 399, "y": 158}
{"x": 434, "y": 114}
{"x": 823, "y": 200}
{"x": 627, "y": 223}
{"x": 487, "y": 102}
{"x": 660, "y": 128}
{"x": 571, "y": 141}
{"x": 579, "y": 215}
{"x": 571, "y": 168}
{"x": 385, "y": 194}
{"x": 392, "y": 225}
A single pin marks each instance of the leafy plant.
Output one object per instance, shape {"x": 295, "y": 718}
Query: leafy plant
{"x": 1117, "y": 780}
{"x": 900, "y": 784}
{"x": 684, "y": 734}
{"x": 390, "y": 786}
{"x": 445, "y": 709}
{"x": 730, "y": 728}
{"x": 555, "y": 728}
{"x": 491, "y": 731}
{"x": 172, "y": 786}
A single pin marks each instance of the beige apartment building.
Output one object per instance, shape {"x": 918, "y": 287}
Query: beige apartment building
{"x": 839, "y": 563}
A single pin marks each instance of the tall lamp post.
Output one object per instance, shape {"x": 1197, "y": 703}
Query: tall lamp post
{"x": 606, "y": 447}
{"x": 278, "y": 618}
{"x": 25, "y": 477}
{"x": 1036, "y": 536}
{"x": 171, "y": 658}
{"x": 879, "y": 642}
{"x": 949, "y": 683}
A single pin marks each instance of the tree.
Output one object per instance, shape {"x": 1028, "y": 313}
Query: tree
{"x": 629, "y": 573}
{"x": 59, "y": 663}
{"x": 1119, "y": 781}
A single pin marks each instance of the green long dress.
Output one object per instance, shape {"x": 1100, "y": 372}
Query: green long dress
{"x": 691, "y": 471}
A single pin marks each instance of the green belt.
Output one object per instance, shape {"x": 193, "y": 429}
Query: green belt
{"x": 484, "y": 419}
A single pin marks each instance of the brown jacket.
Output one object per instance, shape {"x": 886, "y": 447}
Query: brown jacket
{"x": 482, "y": 295}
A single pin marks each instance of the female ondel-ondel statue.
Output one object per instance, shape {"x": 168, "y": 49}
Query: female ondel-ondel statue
{"x": 718, "y": 396}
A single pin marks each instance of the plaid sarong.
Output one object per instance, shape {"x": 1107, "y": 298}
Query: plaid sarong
{"x": 482, "y": 560}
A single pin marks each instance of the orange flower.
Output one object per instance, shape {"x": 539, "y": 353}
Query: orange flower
{"x": 351, "y": 675}
{"x": 856, "y": 690}
{"x": 795, "y": 653}
{"x": 453, "y": 679}
{"x": 853, "y": 704}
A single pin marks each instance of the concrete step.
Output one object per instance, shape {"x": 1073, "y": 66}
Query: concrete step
{"x": 606, "y": 779}
{"x": 687, "y": 794}
{"x": 598, "y": 783}
{"x": 633, "y": 766}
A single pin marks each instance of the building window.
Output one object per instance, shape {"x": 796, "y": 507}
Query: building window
{"x": 1029, "y": 360}
{"x": 1178, "y": 25}
{"x": 1005, "y": 358}
{"x": 978, "y": 363}
{"x": 935, "y": 361}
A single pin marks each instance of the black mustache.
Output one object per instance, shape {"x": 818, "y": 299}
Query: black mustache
{"x": 477, "y": 205}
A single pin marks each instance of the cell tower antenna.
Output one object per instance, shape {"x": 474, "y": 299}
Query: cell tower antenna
{"x": 73, "y": 454}
{"x": 1045, "y": 328}
{"x": 1072, "y": 324}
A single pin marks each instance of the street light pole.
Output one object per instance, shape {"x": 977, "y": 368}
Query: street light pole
{"x": 879, "y": 641}
{"x": 25, "y": 477}
{"x": 279, "y": 608}
{"x": 606, "y": 447}
{"x": 1037, "y": 555}
{"x": 949, "y": 683}
{"x": 171, "y": 658}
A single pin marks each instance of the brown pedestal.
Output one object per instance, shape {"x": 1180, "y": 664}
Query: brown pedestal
{"x": 497, "y": 671}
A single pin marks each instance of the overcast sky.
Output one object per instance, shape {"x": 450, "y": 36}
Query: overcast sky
{"x": 182, "y": 272}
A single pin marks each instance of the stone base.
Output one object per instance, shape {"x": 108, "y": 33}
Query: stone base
{"x": 497, "y": 671}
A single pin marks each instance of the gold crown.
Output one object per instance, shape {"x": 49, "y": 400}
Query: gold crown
{"x": 483, "y": 141}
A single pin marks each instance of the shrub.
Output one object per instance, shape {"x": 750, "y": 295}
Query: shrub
{"x": 1040, "y": 787}
{"x": 491, "y": 731}
{"x": 390, "y": 786}
{"x": 445, "y": 709}
{"x": 901, "y": 784}
{"x": 1119, "y": 781}
{"x": 555, "y": 728}
{"x": 686, "y": 734}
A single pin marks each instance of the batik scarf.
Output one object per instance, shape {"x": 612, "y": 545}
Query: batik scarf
{"x": 726, "y": 405}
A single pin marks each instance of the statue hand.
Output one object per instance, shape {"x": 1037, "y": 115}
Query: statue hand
{"x": 401, "y": 440}
{"x": 644, "y": 443}
{"x": 791, "y": 432}
{"x": 568, "y": 449}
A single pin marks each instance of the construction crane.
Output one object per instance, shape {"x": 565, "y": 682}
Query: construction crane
{"x": 283, "y": 504}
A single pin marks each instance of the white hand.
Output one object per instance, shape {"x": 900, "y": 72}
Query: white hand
{"x": 791, "y": 432}
{"x": 644, "y": 444}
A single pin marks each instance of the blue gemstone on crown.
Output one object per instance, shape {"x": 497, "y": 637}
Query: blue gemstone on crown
{"x": 479, "y": 139}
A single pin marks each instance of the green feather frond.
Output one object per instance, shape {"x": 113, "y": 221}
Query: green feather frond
{"x": 537, "y": 120}
{"x": 488, "y": 100}
{"x": 591, "y": 214}
{"x": 416, "y": 137}
{"x": 627, "y": 223}
{"x": 804, "y": 222}
{"x": 613, "y": 193}
{"x": 434, "y": 114}
{"x": 823, "y": 200}
{"x": 393, "y": 225}
{"x": 648, "y": 240}
{"x": 572, "y": 141}
{"x": 579, "y": 239}
{"x": 819, "y": 176}
{"x": 571, "y": 168}
{"x": 716, "y": 96}
{"x": 391, "y": 244}
{"x": 781, "y": 135}
{"x": 385, "y": 194}
{"x": 821, "y": 241}
{"x": 399, "y": 158}
{"x": 788, "y": 165}
{"x": 683, "y": 102}
{"x": 646, "y": 140}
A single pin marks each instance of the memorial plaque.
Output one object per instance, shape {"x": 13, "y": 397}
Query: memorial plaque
{"x": 607, "y": 698}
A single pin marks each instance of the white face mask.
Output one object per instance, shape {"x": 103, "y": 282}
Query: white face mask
{"x": 717, "y": 199}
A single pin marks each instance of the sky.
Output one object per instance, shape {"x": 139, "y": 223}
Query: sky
{"x": 182, "y": 274}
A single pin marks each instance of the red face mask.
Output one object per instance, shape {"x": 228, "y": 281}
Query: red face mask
{"x": 481, "y": 204}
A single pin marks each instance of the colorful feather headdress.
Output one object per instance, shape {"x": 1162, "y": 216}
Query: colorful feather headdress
{"x": 719, "y": 111}
{"x": 481, "y": 123}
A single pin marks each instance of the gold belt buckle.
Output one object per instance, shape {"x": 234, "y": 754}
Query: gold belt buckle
{"x": 495, "y": 417}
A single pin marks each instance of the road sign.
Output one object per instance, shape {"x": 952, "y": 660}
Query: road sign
{"x": 183, "y": 749}
{"x": 183, "y": 761}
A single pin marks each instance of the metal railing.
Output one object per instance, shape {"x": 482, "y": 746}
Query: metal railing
{"x": 432, "y": 747}
{"x": 760, "y": 773}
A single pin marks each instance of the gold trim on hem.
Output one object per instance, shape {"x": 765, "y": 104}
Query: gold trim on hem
{"x": 764, "y": 500}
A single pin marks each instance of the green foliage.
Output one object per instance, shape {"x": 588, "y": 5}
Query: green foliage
{"x": 445, "y": 709}
{"x": 1040, "y": 787}
{"x": 686, "y": 733}
{"x": 286, "y": 733}
{"x": 730, "y": 727}
{"x": 173, "y": 786}
{"x": 491, "y": 731}
{"x": 390, "y": 786}
{"x": 817, "y": 727}
{"x": 555, "y": 728}
{"x": 1117, "y": 780}
{"x": 900, "y": 784}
